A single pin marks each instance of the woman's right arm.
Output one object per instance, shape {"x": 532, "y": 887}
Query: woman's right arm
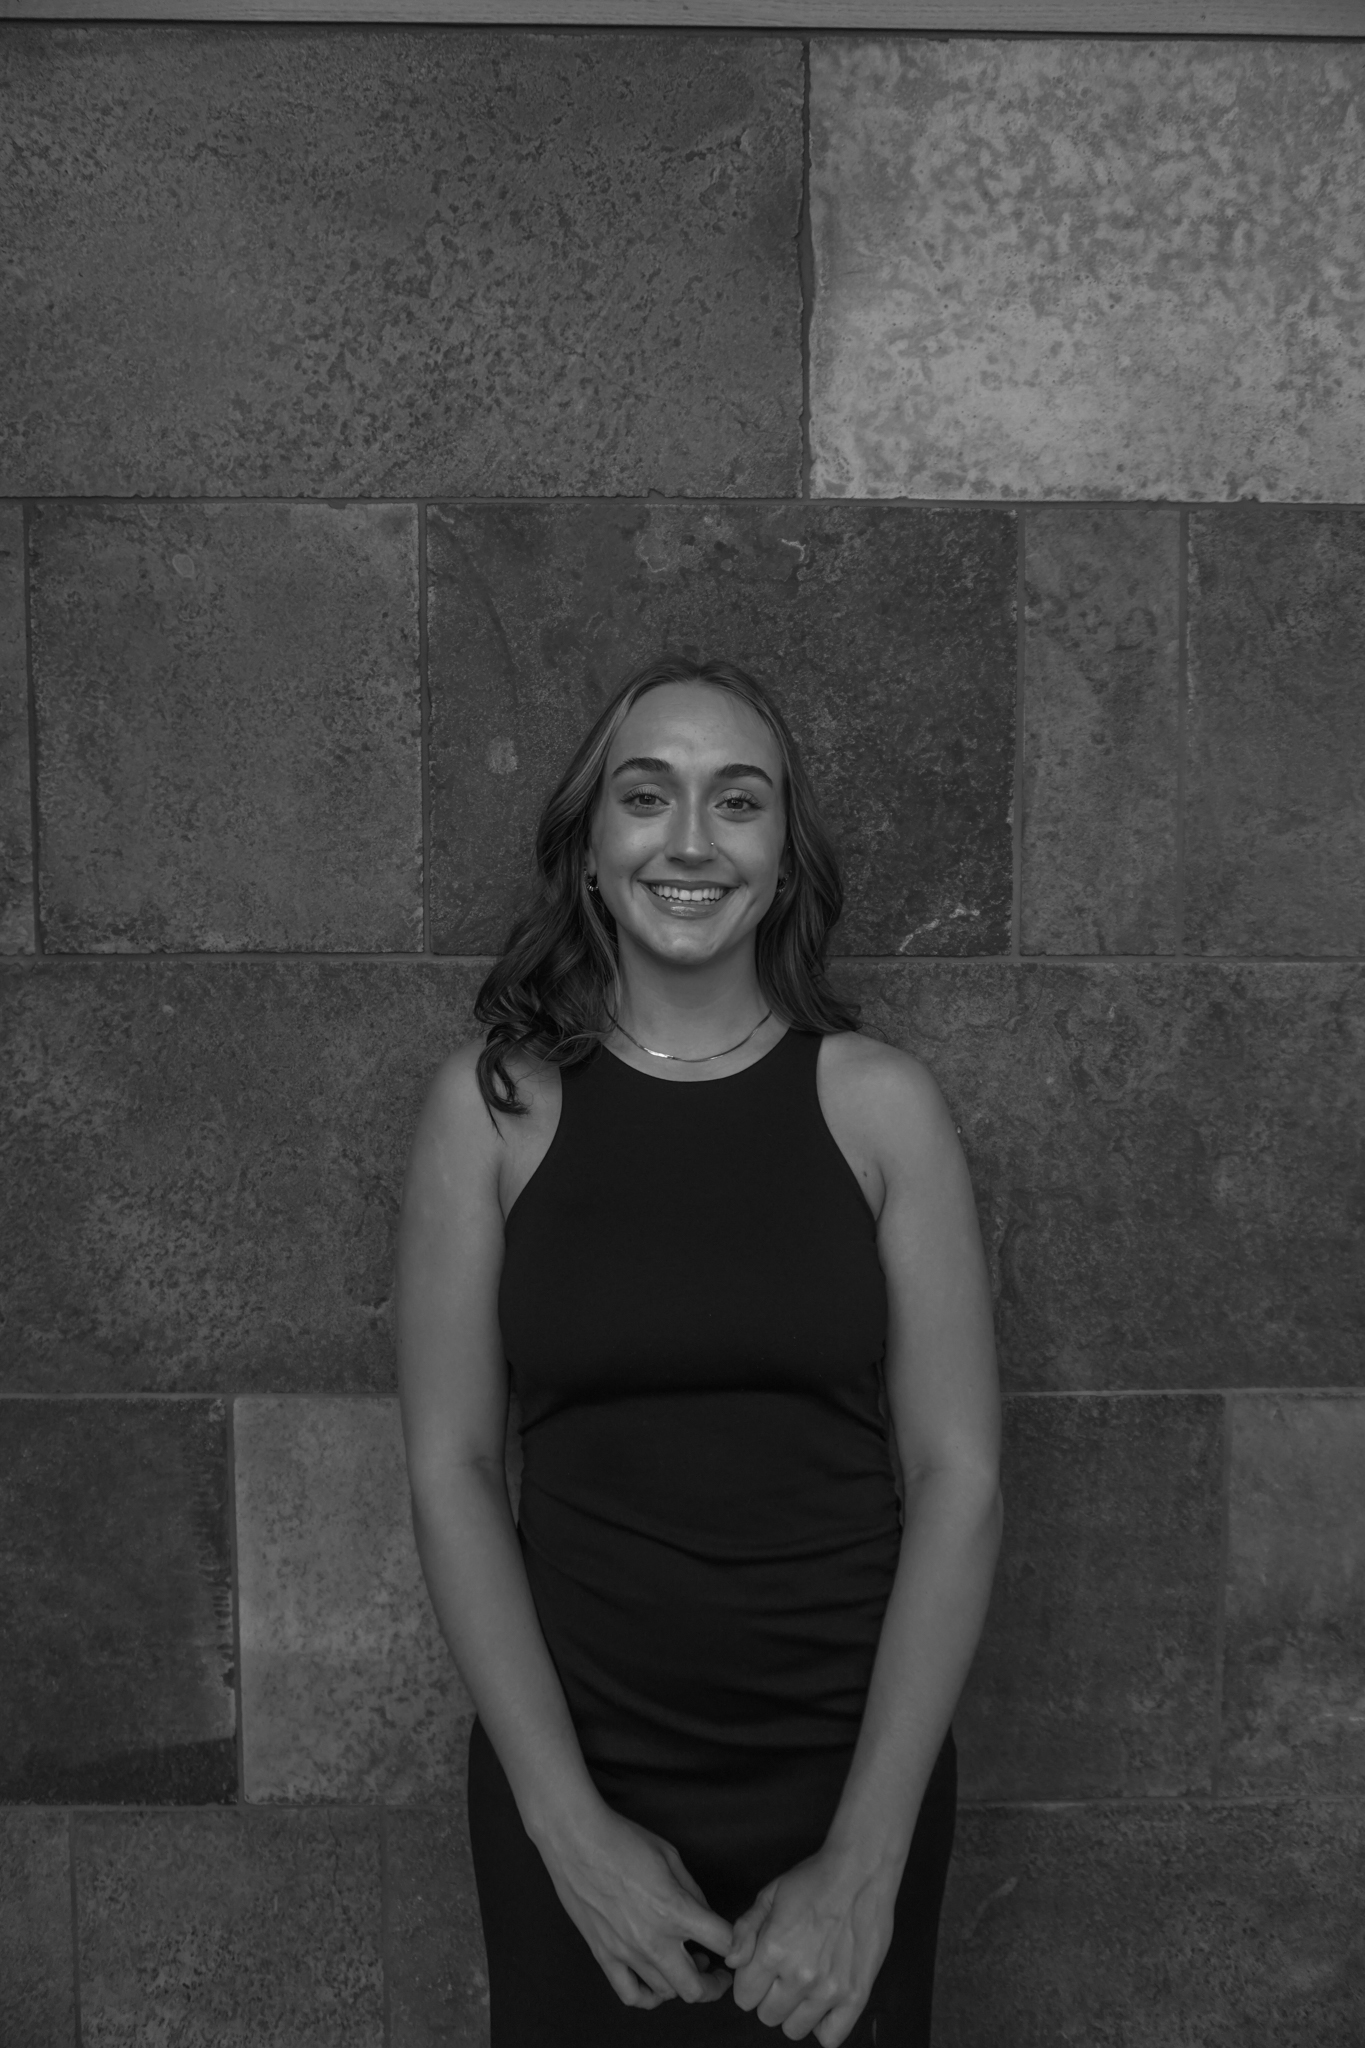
{"x": 453, "y": 1394}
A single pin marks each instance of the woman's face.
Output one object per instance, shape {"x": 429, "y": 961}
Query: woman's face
{"x": 690, "y": 823}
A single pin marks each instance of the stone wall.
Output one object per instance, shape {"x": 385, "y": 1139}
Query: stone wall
{"x": 372, "y": 398}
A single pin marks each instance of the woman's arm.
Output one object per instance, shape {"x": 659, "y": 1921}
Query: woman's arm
{"x": 807, "y": 1952}
{"x": 945, "y": 1407}
{"x": 627, "y": 1892}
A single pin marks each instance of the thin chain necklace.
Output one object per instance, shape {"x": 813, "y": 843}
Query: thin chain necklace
{"x": 699, "y": 1059}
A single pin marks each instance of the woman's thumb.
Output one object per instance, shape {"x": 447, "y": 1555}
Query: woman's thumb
{"x": 745, "y": 1939}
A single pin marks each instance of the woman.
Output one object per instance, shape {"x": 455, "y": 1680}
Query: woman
{"x": 717, "y": 1234}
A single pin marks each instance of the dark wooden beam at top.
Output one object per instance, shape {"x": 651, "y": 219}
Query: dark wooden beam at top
{"x": 1084, "y": 17}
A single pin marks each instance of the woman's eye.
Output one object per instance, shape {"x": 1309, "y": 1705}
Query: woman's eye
{"x": 738, "y": 801}
{"x": 646, "y": 798}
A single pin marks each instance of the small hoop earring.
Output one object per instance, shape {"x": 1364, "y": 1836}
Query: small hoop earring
{"x": 593, "y": 889}
{"x": 781, "y": 883}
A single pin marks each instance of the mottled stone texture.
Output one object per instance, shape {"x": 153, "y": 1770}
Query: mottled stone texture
{"x": 1166, "y": 1157}
{"x": 888, "y": 635}
{"x": 1101, "y": 716}
{"x": 229, "y": 727}
{"x": 1156, "y": 1926}
{"x": 1096, "y": 1672}
{"x": 116, "y": 1664}
{"x": 16, "y": 810}
{"x": 208, "y": 1928}
{"x": 437, "y": 1968}
{"x": 37, "y": 1979}
{"x": 348, "y": 1690}
{"x": 1275, "y": 813}
{"x": 327, "y": 261}
{"x": 1083, "y": 267}
{"x": 205, "y": 1160}
{"x": 1294, "y": 1656}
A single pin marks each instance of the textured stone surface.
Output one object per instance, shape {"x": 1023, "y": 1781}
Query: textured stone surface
{"x": 116, "y": 1663}
{"x": 1077, "y": 267}
{"x": 1095, "y": 1675}
{"x": 208, "y": 1928}
{"x": 1157, "y": 1926}
{"x": 437, "y": 1968}
{"x": 37, "y": 1984}
{"x": 249, "y": 262}
{"x": 348, "y": 1690}
{"x": 1275, "y": 817}
{"x": 1101, "y": 710}
{"x": 229, "y": 727}
{"x": 206, "y": 1160}
{"x": 1294, "y": 1655}
{"x": 16, "y": 811}
{"x": 888, "y": 635}
{"x": 1166, "y": 1159}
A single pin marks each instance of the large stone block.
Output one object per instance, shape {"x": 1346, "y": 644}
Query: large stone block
{"x": 116, "y": 1658}
{"x": 324, "y": 262}
{"x": 37, "y": 1978}
{"x": 437, "y": 1966}
{"x": 1164, "y": 1156}
{"x": 16, "y": 808}
{"x": 205, "y": 1162}
{"x": 209, "y": 1928}
{"x": 1154, "y": 1926}
{"x": 1095, "y": 1676}
{"x": 1275, "y": 822}
{"x": 1101, "y": 717}
{"x": 348, "y": 1690}
{"x": 1087, "y": 267}
{"x": 1294, "y": 1656}
{"x": 229, "y": 727}
{"x": 887, "y": 633}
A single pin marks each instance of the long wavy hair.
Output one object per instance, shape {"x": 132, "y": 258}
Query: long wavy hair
{"x": 553, "y": 992}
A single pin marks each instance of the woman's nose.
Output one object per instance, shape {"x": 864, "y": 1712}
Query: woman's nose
{"x": 689, "y": 839}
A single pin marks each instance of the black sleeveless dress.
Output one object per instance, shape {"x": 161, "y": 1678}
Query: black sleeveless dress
{"x": 694, "y": 1316}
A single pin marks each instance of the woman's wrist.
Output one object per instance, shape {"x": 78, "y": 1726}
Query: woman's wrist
{"x": 562, "y": 1821}
{"x": 868, "y": 1844}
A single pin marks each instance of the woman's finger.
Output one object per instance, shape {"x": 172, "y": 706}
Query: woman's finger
{"x": 809, "y": 2009}
{"x": 748, "y": 1927}
{"x": 653, "y": 1976}
{"x": 741, "y": 1951}
{"x": 626, "y": 1984}
{"x": 696, "y": 1922}
{"x": 836, "y": 2026}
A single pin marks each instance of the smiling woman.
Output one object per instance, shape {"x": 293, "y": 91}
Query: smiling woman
{"x": 664, "y": 823}
{"x": 716, "y": 1657}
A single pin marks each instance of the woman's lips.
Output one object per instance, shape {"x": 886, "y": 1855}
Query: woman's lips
{"x": 686, "y": 899}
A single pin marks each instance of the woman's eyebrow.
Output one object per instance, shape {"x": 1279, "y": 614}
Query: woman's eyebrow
{"x": 649, "y": 764}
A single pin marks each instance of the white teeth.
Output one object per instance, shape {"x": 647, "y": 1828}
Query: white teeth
{"x": 673, "y": 894}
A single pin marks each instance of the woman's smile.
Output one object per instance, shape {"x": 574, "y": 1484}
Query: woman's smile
{"x": 689, "y": 899}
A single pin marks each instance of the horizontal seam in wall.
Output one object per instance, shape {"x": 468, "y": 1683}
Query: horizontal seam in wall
{"x": 1217, "y": 1393}
{"x": 1203, "y": 1801}
{"x": 56, "y": 962}
{"x": 1242, "y": 506}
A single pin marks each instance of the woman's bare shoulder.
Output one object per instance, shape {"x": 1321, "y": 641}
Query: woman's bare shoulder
{"x": 856, "y": 1060}
{"x": 455, "y": 1084}
{"x": 889, "y": 1095}
{"x": 457, "y": 1107}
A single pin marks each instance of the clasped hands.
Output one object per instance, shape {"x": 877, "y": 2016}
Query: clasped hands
{"x": 807, "y": 1952}
{"x": 803, "y": 1957}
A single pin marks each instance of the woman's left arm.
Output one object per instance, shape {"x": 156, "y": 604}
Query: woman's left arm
{"x": 807, "y": 1952}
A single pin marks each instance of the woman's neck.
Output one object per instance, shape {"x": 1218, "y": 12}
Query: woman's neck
{"x": 689, "y": 1012}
